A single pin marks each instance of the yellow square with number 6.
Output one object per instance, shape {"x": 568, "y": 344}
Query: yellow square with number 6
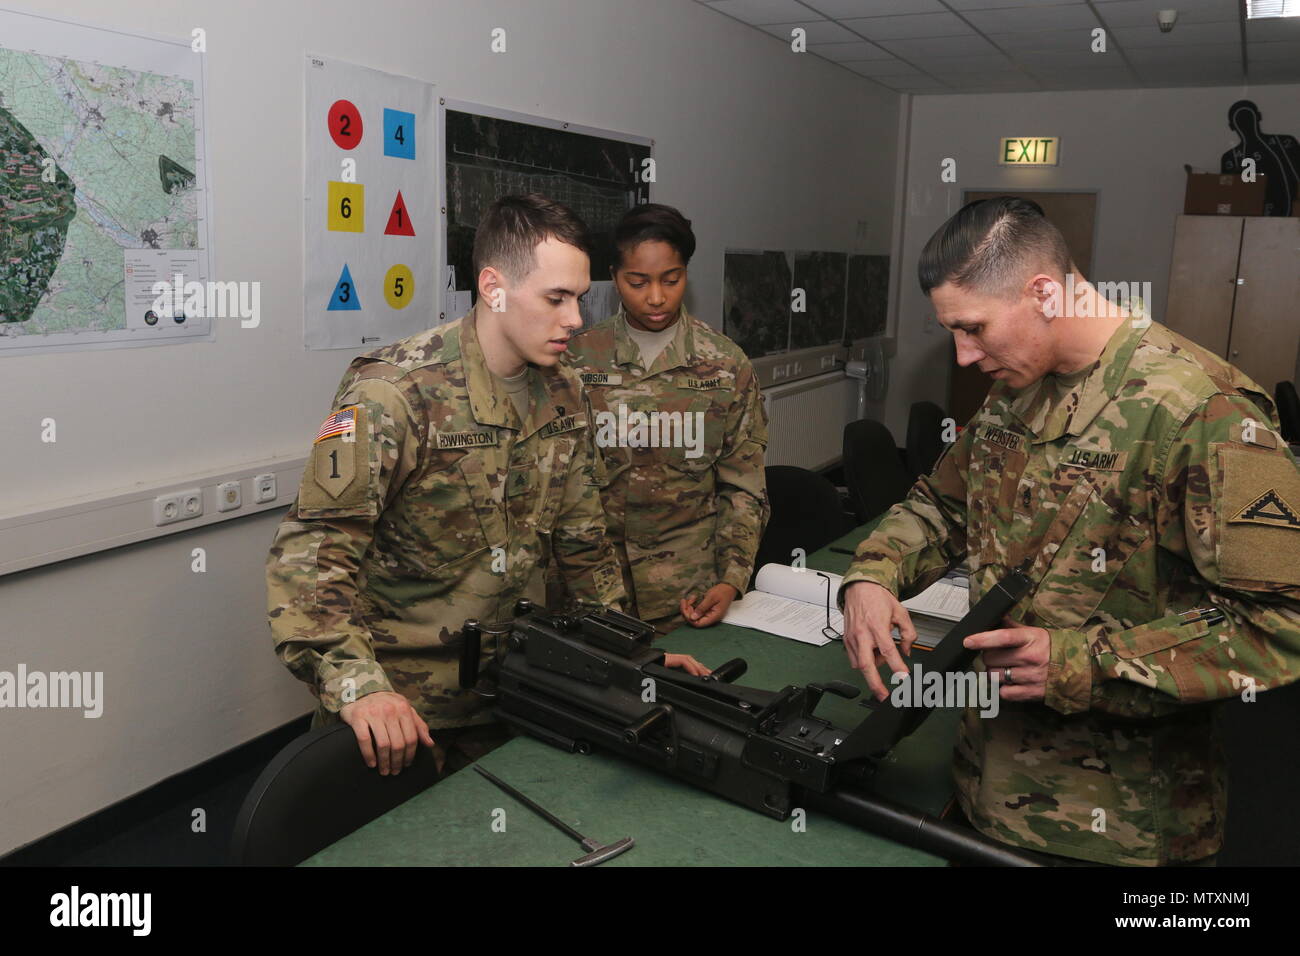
{"x": 347, "y": 207}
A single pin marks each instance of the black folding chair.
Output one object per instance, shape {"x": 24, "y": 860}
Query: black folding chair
{"x": 316, "y": 791}
{"x": 924, "y": 437}
{"x": 873, "y": 470}
{"x": 1288, "y": 411}
{"x": 806, "y": 513}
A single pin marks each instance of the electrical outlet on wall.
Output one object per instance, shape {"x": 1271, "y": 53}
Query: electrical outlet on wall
{"x": 263, "y": 488}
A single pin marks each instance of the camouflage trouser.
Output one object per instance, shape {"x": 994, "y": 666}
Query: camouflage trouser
{"x": 957, "y": 818}
{"x": 454, "y": 748}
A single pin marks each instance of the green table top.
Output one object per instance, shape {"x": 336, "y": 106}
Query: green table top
{"x": 674, "y": 824}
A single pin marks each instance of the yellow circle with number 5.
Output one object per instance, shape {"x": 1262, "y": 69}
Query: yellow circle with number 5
{"x": 399, "y": 286}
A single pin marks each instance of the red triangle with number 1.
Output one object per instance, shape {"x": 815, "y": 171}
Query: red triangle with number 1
{"x": 399, "y": 220}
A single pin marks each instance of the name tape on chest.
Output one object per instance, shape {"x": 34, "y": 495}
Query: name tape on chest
{"x": 1000, "y": 436}
{"x": 1095, "y": 459}
{"x": 601, "y": 378}
{"x": 701, "y": 384}
{"x": 474, "y": 439}
{"x": 566, "y": 423}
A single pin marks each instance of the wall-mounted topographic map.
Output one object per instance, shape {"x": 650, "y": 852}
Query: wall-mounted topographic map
{"x": 99, "y": 187}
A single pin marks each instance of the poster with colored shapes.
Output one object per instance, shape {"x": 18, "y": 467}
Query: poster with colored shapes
{"x": 371, "y": 191}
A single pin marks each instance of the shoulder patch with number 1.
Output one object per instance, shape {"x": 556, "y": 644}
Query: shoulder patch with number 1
{"x": 338, "y": 457}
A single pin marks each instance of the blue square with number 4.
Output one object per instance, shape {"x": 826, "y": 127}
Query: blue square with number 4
{"x": 399, "y": 134}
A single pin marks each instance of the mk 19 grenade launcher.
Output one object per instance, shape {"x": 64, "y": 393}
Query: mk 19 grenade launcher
{"x": 595, "y": 680}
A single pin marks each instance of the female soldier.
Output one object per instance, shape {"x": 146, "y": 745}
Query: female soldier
{"x": 682, "y": 428}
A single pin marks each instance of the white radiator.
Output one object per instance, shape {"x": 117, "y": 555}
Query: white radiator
{"x": 806, "y": 420}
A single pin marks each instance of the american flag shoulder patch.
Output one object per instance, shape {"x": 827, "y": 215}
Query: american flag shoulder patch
{"x": 341, "y": 422}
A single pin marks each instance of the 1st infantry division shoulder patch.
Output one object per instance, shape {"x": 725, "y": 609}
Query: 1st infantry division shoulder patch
{"x": 1269, "y": 508}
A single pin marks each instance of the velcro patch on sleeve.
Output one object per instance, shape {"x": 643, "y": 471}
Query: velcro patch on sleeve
{"x": 1254, "y": 433}
{"x": 337, "y": 475}
{"x": 1259, "y": 513}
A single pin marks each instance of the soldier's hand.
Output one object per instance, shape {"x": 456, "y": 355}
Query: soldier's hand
{"x": 1024, "y": 651}
{"x": 397, "y": 729}
{"x": 871, "y": 613}
{"x": 688, "y": 664}
{"x": 712, "y": 607}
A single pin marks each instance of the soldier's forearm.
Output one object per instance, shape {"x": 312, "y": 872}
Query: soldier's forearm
{"x": 905, "y": 548}
{"x": 742, "y": 517}
{"x": 1182, "y": 659}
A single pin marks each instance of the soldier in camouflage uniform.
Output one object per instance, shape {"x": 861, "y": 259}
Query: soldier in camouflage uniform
{"x": 682, "y": 428}
{"x": 1159, "y": 512}
{"x": 432, "y": 492}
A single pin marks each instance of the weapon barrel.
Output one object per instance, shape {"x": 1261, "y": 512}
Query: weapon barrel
{"x": 917, "y": 830}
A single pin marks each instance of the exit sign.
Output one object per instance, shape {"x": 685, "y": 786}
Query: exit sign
{"x": 1029, "y": 151}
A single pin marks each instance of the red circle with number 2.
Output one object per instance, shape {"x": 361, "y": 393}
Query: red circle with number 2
{"x": 345, "y": 124}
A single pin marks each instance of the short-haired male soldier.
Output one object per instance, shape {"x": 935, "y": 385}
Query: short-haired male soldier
{"x": 452, "y": 461}
{"x": 1144, "y": 481}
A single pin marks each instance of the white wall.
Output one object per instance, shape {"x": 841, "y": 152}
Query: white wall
{"x": 760, "y": 147}
{"x": 1130, "y": 145}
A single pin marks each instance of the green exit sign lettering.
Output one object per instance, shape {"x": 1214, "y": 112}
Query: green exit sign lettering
{"x": 1029, "y": 151}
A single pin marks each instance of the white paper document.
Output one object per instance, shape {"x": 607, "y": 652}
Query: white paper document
{"x": 792, "y": 602}
{"x": 789, "y": 602}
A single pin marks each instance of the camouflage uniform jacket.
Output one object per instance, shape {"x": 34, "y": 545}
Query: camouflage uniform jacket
{"x": 682, "y": 518}
{"x": 439, "y": 509}
{"x": 1156, "y": 487}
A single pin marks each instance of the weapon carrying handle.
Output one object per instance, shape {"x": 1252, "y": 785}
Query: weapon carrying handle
{"x": 728, "y": 672}
{"x": 470, "y": 649}
{"x": 650, "y": 719}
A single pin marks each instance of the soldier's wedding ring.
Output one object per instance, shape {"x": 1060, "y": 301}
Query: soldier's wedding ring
{"x": 1006, "y": 675}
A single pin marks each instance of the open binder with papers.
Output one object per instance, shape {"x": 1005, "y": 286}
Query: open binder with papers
{"x": 799, "y": 603}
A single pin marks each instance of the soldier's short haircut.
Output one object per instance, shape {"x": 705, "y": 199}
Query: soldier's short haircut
{"x": 514, "y": 226}
{"x": 651, "y": 222}
{"x": 993, "y": 246}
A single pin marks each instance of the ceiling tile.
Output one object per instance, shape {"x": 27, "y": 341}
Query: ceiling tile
{"x": 973, "y": 64}
{"x": 857, "y": 50}
{"x": 1189, "y": 55}
{"x": 817, "y": 31}
{"x": 1273, "y": 28}
{"x": 1089, "y": 80}
{"x": 1065, "y": 41}
{"x": 1130, "y": 13}
{"x": 940, "y": 46}
{"x": 1033, "y": 19}
{"x": 964, "y": 5}
{"x": 1211, "y": 73}
{"x": 885, "y": 68}
{"x": 1005, "y": 81}
{"x": 1182, "y": 35}
{"x": 1061, "y": 61}
{"x": 761, "y": 12}
{"x": 915, "y": 84}
{"x": 1274, "y": 52}
{"x": 1275, "y": 72}
{"x": 844, "y": 9}
{"x": 912, "y": 25}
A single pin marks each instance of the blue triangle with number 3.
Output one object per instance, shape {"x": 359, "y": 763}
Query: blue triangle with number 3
{"x": 345, "y": 298}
